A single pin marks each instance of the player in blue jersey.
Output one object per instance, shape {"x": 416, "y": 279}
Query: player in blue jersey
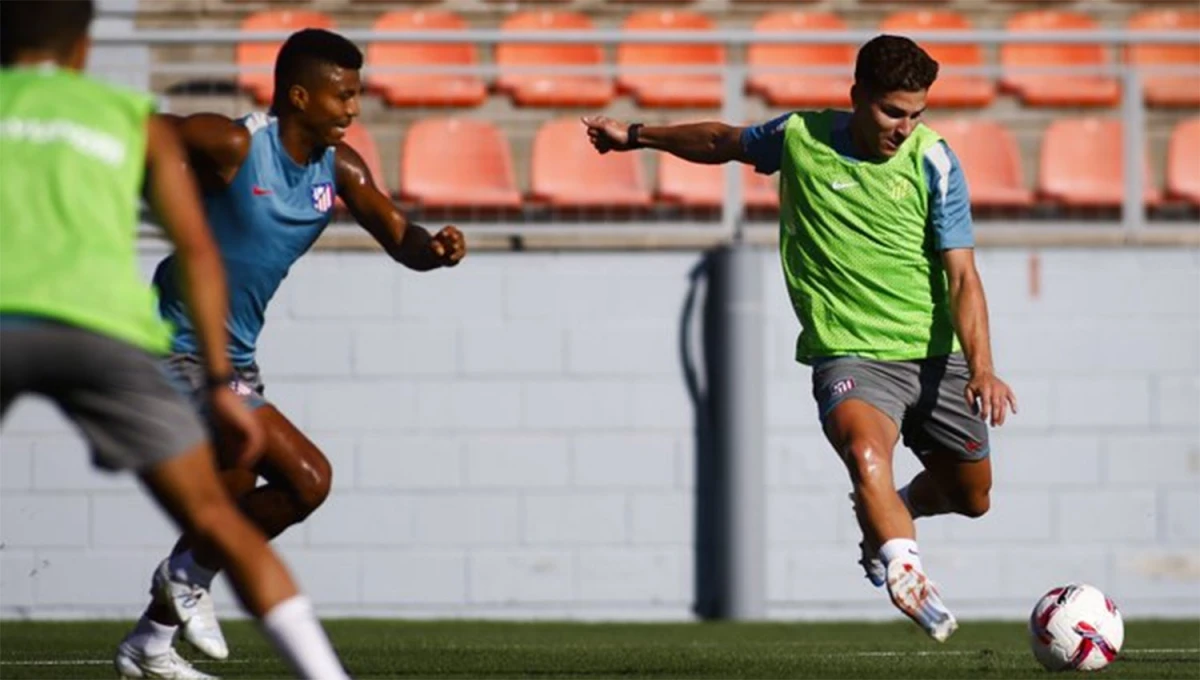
{"x": 270, "y": 184}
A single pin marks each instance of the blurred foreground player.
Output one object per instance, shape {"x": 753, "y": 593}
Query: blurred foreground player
{"x": 878, "y": 256}
{"x": 77, "y": 323}
{"x": 269, "y": 185}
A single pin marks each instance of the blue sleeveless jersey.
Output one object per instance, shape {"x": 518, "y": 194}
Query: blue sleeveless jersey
{"x": 268, "y": 217}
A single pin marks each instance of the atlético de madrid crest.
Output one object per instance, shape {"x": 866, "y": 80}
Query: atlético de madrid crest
{"x": 322, "y": 196}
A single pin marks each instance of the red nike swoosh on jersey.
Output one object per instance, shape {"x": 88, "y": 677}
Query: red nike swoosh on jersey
{"x": 259, "y": 191}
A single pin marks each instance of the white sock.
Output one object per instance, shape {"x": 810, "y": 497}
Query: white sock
{"x": 151, "y": 637}
{"x": 904, "y": 549}
{"x": 297, "y": 635}
{"x": 184, "y": 568}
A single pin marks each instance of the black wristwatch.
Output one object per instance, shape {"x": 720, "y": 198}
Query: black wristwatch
{"x": 213, "y": 382}
{"x": 633, "y": 133}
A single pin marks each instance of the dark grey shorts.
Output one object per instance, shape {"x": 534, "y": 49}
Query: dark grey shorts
{"x": 925, "y": 397}
{"x": 117, "y": 394}
{"x": 187, "y": 371}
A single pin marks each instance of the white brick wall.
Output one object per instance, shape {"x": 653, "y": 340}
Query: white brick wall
{"x": 513, "y": 438}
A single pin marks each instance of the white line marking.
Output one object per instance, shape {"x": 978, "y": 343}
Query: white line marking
{"x": 96, "y": 662}
{"x": 958, "y": 652}
{"x": 942, "y": 652}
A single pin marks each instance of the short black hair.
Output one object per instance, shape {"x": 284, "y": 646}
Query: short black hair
{"x": 40, "y": 25}
{"x": 888, "y": 63}
{"x": 308, "y": 48}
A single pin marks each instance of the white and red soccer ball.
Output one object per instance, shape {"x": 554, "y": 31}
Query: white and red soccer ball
{"x": 1075, "y": 627}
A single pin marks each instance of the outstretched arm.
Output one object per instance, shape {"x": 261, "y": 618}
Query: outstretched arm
{"x": 709, "y": 143}
{"x": 407, "y": 243}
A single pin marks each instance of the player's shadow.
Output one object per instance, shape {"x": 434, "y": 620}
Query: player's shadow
{"x": 709, "y": 558}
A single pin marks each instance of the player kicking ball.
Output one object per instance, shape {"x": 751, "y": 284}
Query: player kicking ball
{"x": 877, "y": 249}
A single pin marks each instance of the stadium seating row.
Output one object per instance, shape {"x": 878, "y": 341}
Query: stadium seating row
{"x": 456, "y": 163}
{"x": 777, "y": 89}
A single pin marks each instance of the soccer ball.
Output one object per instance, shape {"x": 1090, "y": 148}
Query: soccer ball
{"x": 1075, "y": 627}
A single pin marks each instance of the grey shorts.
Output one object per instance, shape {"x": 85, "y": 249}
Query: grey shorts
{"x": 925, "y": 397}
{"x": 188, "y": 373}
{"x": 116, "y": 394}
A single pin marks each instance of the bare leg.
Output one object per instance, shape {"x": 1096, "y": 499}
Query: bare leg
{"x": 298, "y": 481}
{"x": 188, "y": 488}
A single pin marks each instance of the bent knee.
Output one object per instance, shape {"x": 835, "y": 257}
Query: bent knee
{"x": 313, "y": 486}
{"x": 868, "y": 461}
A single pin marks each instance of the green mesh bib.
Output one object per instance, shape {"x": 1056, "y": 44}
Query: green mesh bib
{"x": 858, "y": 257}
{"x": 72, "y": 156}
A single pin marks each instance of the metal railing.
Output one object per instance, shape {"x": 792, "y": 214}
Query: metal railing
{"x": 734, "y": 74}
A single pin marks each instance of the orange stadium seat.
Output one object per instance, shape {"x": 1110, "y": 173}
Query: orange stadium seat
{"x": 1082, "y": 164}
{"x": 965, "y": 90}
{"x": 455, "y": 163}
{"x": 261, "y": 56}
{"x": 696, "y": 185}
{"x": 549, "y": 89}
{"x": 358, "y": 137}
{"x": 800, "y": 89}
{"x": 991, "y": 161}
{"x": 1183, "y": 172}
{"x": 665, "y": 90}
{"x": 1075, "y": 89}
{"x": 567, "y": 172}
{"x": 424, "y": 89}
{"x": 1168, "y": 89}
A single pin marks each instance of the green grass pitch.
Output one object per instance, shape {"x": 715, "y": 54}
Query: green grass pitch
{"x": 468, "y": 649}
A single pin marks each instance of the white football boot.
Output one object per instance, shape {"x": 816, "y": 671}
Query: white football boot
{"x": 133, "y": 663}
{"x": 914, "y": 594}
{"x": 193, "y": 605}
{"x": 873, "y": 566}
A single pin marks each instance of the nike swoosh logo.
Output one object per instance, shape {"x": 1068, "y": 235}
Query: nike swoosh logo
{"x": 838, "y": 186}
{"x": 259, "y": 191}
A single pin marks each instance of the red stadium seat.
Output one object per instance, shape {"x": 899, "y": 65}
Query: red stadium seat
{"x": 1168, "y": 90}
{"x": 1082, "y": 164}
{"x": 991, "y": 161}
{"x": 1057, "y": 89}
{"x": 1183, "y": 171}
{"x": 696, "y": 185}
{"x": 950, "y": 89}
{"x": 424, "y": 89}
{"x": 551, "y": 89}
{"x": 568, "y": 173}
{"x": 456, "y": 163}
{"x": 800, "y": 89}
{"x": 260, "y": 83}
{"x": 665, "y": 90}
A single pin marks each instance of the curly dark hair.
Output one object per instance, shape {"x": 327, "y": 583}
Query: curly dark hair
{"x": 309, "y": 48}
{"x": 888, "y": 63}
